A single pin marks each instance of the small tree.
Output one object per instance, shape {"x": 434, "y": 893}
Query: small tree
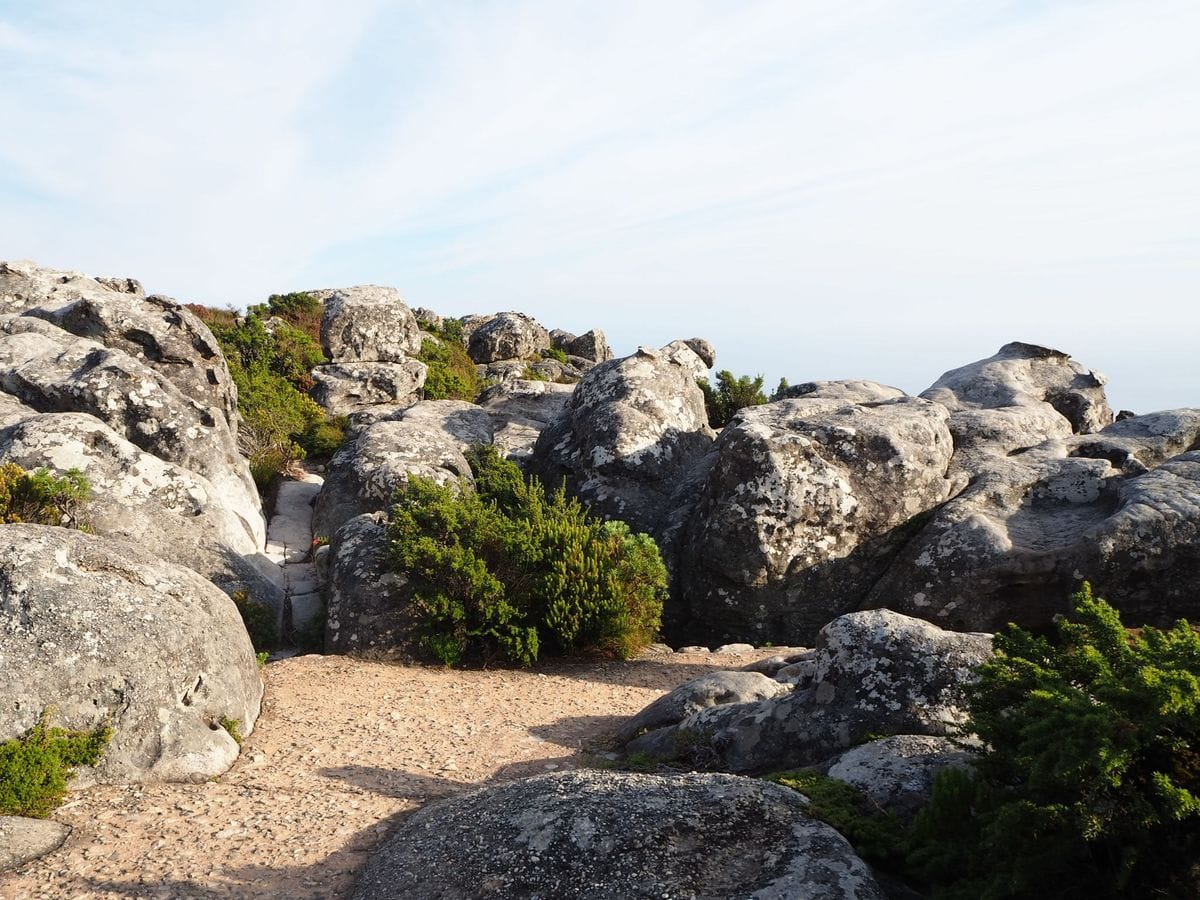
{"x": 731, "y": 394}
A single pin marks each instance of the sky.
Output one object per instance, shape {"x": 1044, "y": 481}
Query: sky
{"x": 880, "y": 190}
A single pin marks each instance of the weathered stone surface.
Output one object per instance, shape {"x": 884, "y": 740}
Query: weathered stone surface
{"x": 367, "y": 323}
{"x": 427, "y": 439}
{"x": 345, "y": 388}
{"x": 710, "y": 689}
{"x": 704, "y": 350}
{"x": 100, "y": 629}
{"x": 24, "y": 840}
{"x": 114, "y": 312}
{"x": 507, "y": 335}
{"x": 609, "y": 834}
{"x": 13, "y": 410}
{"x": 799, "y": 512}
{"x": 1017, "y": 542}
{"x": 591, "y": 345}
{"x": 169, "y": 511}
{"x": 873, "y": 673}
{"x": 631, "y": 430}
{"x": 521, "y": 410}
{"x": 897, "y": 773}
{"x": 1023, "y": 395}
{"x": 856, "y": 391}
{"x": 50, "y": 370}
{"x": 553, "y": 370}
{"x": 368, "y": 614}
{"x": 428, "y": 318}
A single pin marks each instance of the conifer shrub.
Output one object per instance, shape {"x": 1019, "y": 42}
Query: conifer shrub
{"x": 42, "y": 498}
{"x": 555, "y": 353}
{"x": 451, "y": 373}
{"x": 511, "y": 571}
{"x": 35, "y": 768}
{"x": 730, "y": 394}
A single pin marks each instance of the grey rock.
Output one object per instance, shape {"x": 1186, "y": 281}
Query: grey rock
{"x": 711, "y": 689}
{"x": 50, "y": 370}
{"x": 427, "y": 317}
{"x": 856, "y": 391}
{"x": 368, "y": 608}
{"x": 24, "y": 840}
{"x": 553, "y": 370}
{"x": 99, "y": 629}
{"x": 733, "y": 649}
{"x": 507, "y": 335}
{"x": 165, "y": 509}
{"x": 504, "y": 371}
{"x": 703, "y": 349}
{"x": 521, "y": 410}
{"x": 897, "y": 773}
{"x": 344, "y": 388}
{"x": 427, "y": 439}
{"x": 631, "y": 430}
{"x": 591, "y": 345}
{"x": 13, "y": 410}
{"x": 609, "y": 834}
{"x": 771, "y": 665}
{"x": 802, "y": 507}
{"x": 367, "y": 323}
{"x": 874, "y": 672}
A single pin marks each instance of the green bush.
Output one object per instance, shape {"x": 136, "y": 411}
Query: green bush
{"x": 35, "y": 768}
{"x": 259, "y": 620}
{"x": 557, "y": 354}
{"x": 42, "y": 498}
{"x": 510, "y": 571}
{"x": 1090, "y": 777}
{"x": 451, "y": 374}
{"x": 730, "y": 395}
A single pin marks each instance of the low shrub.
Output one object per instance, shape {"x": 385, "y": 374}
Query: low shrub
{"x": 557, "y": 354}
{"x": 511, "y": 571}
{"x": 35, "y": 768}
{"x": 233, "y": 727}
{"x": 42, "y": 498}
{"x": 259, "y": 620}
{"x": 730, "y": 394}
{"x": 451, "y": 374}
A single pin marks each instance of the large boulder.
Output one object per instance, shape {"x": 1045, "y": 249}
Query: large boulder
{"x": 23, "y": 840}
{"x": 428, "y": 439}
{"x": 521, "y": 410}
{"x": 591, "y": 346}
{"x": 367, "y": 615}
{"x": 170, "y": 511}
{"x": 897, "y": 773}
{"x": 368, "y": 323}
{"x": 343, "y": 389}
{"x": 631, "y": 430}
{"x": 610, "y": 834}
{"x": 50, "y": 370}
{"x": 800, "y": 509}
{"x": 874, "y": 673}
{"x": 710, "y": 689}
{"x": 102, "y": 631}
{"x": 1120, "y": 508}
{"x": 507, "y": 335}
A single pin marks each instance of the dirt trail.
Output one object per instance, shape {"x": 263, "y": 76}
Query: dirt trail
{"x": 343, "y": 750}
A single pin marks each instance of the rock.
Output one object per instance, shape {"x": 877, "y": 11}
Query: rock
{"x": 427, "y": 439}
{"x": 771, "y": 665}
{"x": 553, "y": 370}
{"x": 521, "y": 410}
{"x": 368, "y": 323}
{"x": 874, "y": 673}
{"x": 368, "y": 615}
{"x": 853, "y": 390}
{"x": 114, "y": 312}
{"x": 50, "y": 370}
{"x": 24, "y": 840}
{"x": 13, "y": 410}
{"x": 592, "y": 346}
{"x": 428, "y": 319}
{"x": 169, "y": 511}
{"x": 504, "y": 371}
{"x": 897, "y": 773}
{"x": 711, "y": 689}
{"x": 1020, "y": 397}
{"x": 345, "y": 388}
{"x": 693, "y": 648}
{"x": 508, "y": 335}
{"x": 99, "y": 629}
{"x": 733, "y": 649}
{"x": 703, "y": 349}
{"x": 631, "y": 430}
{"x": 610, "y": 834}
{"x": 802, "y": 507}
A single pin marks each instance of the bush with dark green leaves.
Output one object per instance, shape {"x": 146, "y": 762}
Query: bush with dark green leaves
{"x": 730, "y": 394}
{"x": 1089, "y": 783}
{"x": 451, "y": 374}
{"x": 42, "y": 498}
{"x": 259, "y": 619}
{"x": 35, "y": 768}
{"x": 510, "y": 571}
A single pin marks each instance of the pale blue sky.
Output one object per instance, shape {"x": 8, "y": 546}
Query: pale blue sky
{"x": 825, "y": 190}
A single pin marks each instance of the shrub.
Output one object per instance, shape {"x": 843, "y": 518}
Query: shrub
{"x": 730, "y": 395}
{"x": 557, "y": 354}
{"x": 451, "y": 373}
{"x": 322, "y": 439}
{"x": 532, "y": 374}
{"x": 42, "y": 498}
{"x": 259, "y": 620}
{"x": 510, "y": 571}
{"x": 35, "y": 768}
{"x": 301, "y": 310}
{"x": 1090, "y": 776}
{"x": 233, "y": 727}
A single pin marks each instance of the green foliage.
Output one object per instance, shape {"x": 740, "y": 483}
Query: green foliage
{"x": 532, "y": 374}
{"x": 451, "y": 374}
{"x": 781, "y": 390}
{"x": 35, "y": 768}
{"x": 259, "y": 620}
{"x": 1090, "y": 780}
{"x": 42, "y": 498}
{"x": 510, "y": 571}
{"x": 261, "y": 658}
{"x": 557, "y": 354}
{"x": 233, "y": 727}
{"x": 730, "y": 395}
{"x": 877, "y": 835}
{"x": 323, "y": 439}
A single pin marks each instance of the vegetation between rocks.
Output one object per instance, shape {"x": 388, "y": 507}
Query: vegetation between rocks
{"x": 510, "y": 570}
{"x": 42, "y": 498}
{"x": 730, "y": 394}
{"x": 35, "y": 768}
{"x": 451, "y": 374}
{"x": 259, "y": 620}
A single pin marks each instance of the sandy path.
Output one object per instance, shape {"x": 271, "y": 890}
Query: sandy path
{"x": 343, "y": 750}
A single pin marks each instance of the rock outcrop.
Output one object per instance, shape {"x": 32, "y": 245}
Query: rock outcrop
{"x": 608, "y": 834}
{"x": 521, "y": 411}
{"x": 366, "y": 613}
{"x": 507, "y": 335}
{"x": 368, "y": 323}
{"x": 102, "y": 631}
{"x": 23, "y": 840}
{"x": 897, "y": 773}
{"x": 343, "y": 389}
{"x": 591, "y": 346}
